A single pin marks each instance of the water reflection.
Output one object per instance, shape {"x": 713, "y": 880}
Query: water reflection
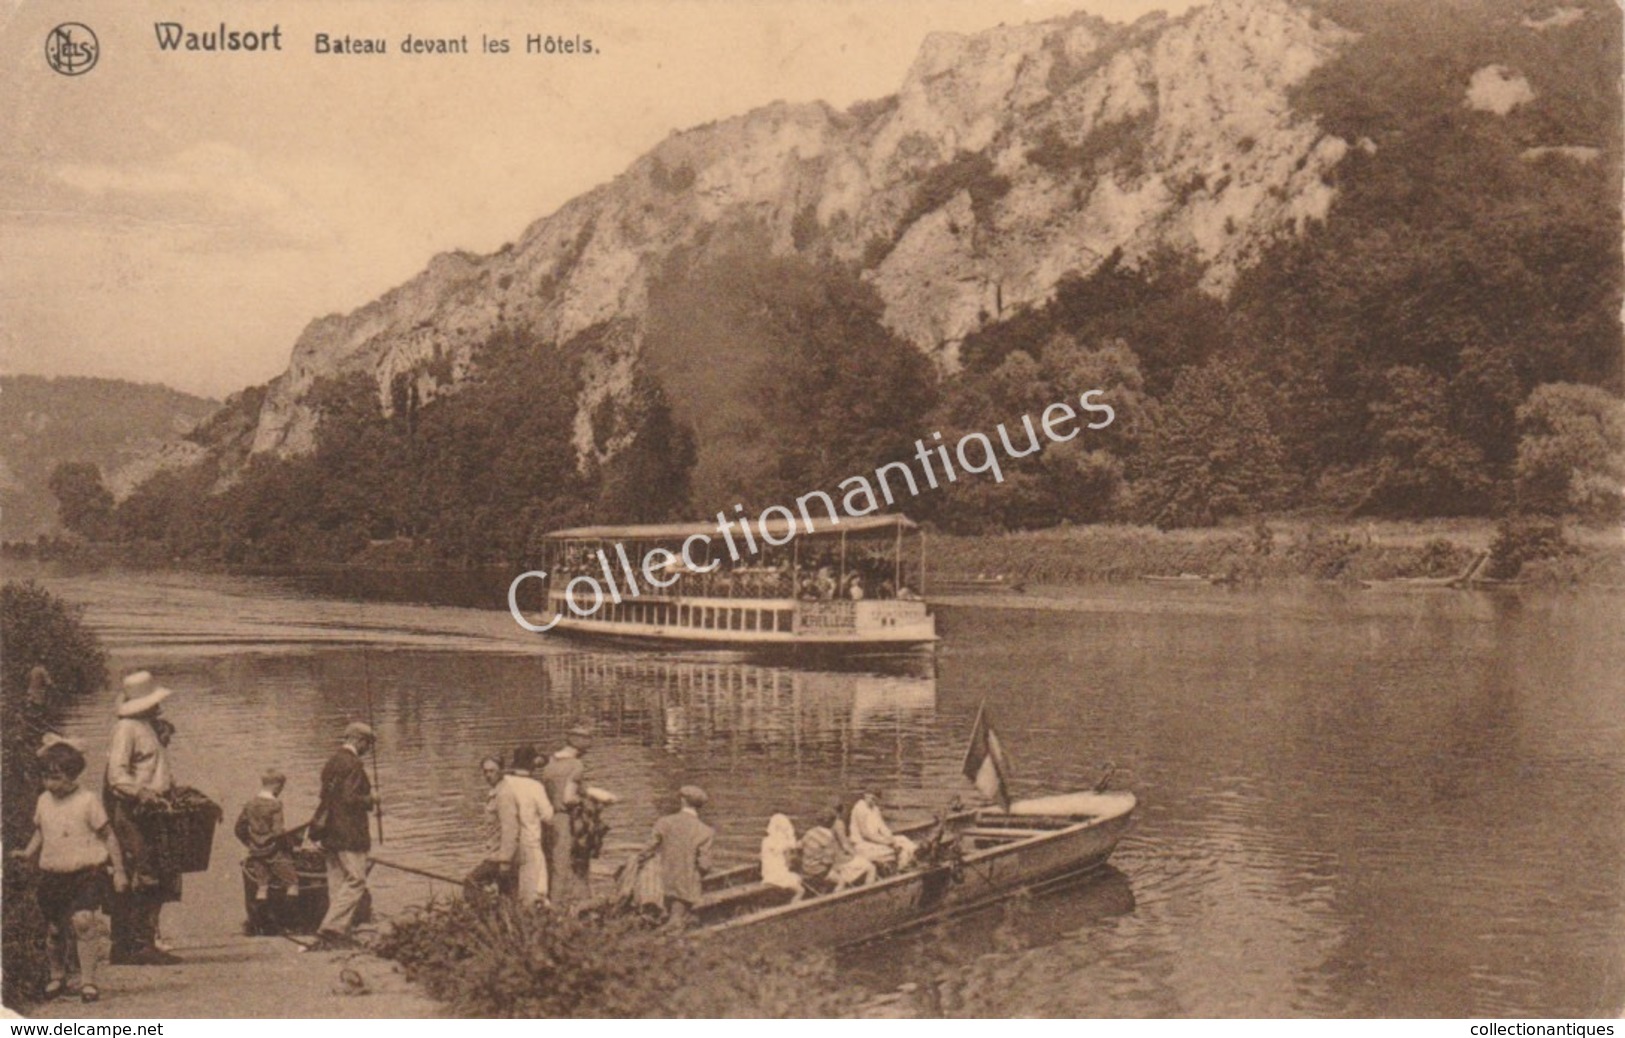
{"x": 685, "y": 703}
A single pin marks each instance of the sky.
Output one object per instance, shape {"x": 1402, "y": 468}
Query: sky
{"x": 179, "y": 217}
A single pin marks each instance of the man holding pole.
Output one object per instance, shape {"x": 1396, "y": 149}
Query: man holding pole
{"x": 341, "y": 826}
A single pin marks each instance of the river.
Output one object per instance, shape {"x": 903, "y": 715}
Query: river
{"x": 1353, "y": 803}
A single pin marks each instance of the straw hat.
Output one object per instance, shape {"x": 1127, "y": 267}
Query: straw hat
{"x": 139, "y": 694}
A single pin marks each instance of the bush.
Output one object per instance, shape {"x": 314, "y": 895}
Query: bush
{"x": 489, "y": 957}
{"x": 1521, "y": 539}
{"x": 1439, "y": 557}
{"x": 35, "y": 627}
{"x": 1324, "y": 555}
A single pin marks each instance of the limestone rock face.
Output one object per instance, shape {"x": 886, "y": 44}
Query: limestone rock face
{"x": 1007, "y": 160}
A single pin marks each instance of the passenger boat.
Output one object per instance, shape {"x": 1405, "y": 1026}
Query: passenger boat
{"x": 1036, "y": 842}
{"x": 847, "y": 586}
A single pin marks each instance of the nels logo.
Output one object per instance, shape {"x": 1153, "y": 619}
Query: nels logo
{"x": 71, "y": 49}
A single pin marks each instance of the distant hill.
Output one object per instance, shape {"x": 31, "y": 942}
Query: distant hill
{"x": 109, "y": 422}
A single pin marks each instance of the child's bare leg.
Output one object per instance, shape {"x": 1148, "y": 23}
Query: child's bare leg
{"x": 58, "y": 935}
{"x": 91, "y": 935}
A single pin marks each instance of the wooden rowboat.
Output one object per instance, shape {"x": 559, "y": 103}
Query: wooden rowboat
{"x": 1037, "y": 841}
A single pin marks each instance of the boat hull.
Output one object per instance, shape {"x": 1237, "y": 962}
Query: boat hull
{"x": 757, "y": 625}
{"x": 984, "y": 875}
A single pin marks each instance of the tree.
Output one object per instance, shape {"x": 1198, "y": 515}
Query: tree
{"x": 1211, "y": 453}
{"x": 1424, "y": 467}
{"x": 1076, "y": 480}
{"x": 1571, "y": 453}
{"x": 84, "y": 504}
{"x": 783, "y": 371}
{"x": 648, "y": 480}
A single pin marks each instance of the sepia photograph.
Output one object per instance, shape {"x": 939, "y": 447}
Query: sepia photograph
{"x": 813, "y": 509}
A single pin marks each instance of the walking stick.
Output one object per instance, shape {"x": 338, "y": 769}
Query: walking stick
{"x": 377, "y": 789}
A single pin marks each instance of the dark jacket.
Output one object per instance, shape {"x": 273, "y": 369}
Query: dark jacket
{"x": 260, "y": 828}
{"x": 346, "y": 800}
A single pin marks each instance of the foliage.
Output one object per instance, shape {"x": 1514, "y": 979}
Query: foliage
{"x": 1210, "y": 455}
{"x": 1571, "y": 453}
{"x": 1077, "y": 480}
{"x": 1325, "y": 554}
{"x": 971, "y": 172}
{"x": 46, "y": 421}
{"x": 1424, "y": 467}
{"x": 490, "y": 957}
{"x": 784, "y": 374}
{"x": 648, "y": 480}
{"x": 1521, "y": 539}
{"x": 1449, "y": 254}
{"x": 84, "y": 504}
{"x": 35, "y": 628}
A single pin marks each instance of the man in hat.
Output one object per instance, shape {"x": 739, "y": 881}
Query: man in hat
{"x": 342, "y": 827}
{"x": 564, "y": 778}
{"x": 684, "y": 845}
{"x": 138, "y": 778}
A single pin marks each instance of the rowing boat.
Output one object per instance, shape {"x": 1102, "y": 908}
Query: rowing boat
{"x": 1040, "y": 841}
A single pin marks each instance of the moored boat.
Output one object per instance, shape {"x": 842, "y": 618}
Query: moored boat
{"x": 987, "y": 854}
{"x": 846, "y": 586}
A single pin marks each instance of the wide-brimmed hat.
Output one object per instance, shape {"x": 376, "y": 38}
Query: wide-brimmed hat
{"x": 359, "y": 730}
{"x": 694, "y": 795}
{"x": 140, "y": 695}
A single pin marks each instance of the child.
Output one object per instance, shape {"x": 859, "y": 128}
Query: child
{"x": 76, "y": 847}
{"x": 270, "y": 858}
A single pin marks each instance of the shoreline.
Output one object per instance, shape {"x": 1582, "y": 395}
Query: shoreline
{"x": 1263, "y": 552}
{"x": 1267, "y": 553}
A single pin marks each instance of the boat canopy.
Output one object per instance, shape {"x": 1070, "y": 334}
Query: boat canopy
{"x": 772, "y": 527}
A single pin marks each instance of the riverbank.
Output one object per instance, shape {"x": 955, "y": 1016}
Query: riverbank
{"x": 1267, "y": 552}
{"x": 251, "y": 978}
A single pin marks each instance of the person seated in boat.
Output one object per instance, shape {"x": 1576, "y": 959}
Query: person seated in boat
{"x": 779, "y": 850}
{"x": 873, "y": 839}
{"x": 907, "y": 594}
{"x": 854, "y": 587}
{"x": 886, "y": 589}
{"x": 825, "y": 860}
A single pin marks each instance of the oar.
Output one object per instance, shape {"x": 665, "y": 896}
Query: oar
{"x": 416, "y": 871}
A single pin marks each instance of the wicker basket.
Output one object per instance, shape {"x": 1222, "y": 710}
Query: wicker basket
{"x": 182, "y": 830}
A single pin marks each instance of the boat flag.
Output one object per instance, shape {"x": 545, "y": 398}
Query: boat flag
{"x": 985, "y": 762}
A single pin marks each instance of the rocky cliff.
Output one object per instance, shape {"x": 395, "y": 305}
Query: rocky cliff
{"x": 1006, "y": 160}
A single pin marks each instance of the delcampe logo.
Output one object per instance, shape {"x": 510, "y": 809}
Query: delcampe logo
{"x": 71, "y": 49}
